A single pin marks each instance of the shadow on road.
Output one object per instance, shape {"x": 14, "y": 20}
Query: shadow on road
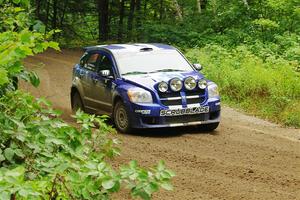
{"x": 170, "y": 132}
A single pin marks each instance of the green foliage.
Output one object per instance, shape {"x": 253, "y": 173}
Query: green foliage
{"x": 267, "y": 87}
{"x": 228, "y": 24}
{"x": 266, "y": 23}
{"x": 41, "y": 156}
{"x": 143, "y": 183}
{"x": 17, "y": 42}
{"x": 57, "y": 161}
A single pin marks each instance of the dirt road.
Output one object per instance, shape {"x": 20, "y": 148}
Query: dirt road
{"x": 245, "y": 158}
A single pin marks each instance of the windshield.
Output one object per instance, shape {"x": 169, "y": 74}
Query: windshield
{"x": 151, "y": 62}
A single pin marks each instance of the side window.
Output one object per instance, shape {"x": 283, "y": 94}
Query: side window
{"x": 90, "y": 62}
{"x": 105, "y": 63}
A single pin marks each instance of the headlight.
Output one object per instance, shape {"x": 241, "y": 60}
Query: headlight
{"x": 202, "y": 84}
{"x": 213, "y": 90}
{"x": 176, "y": 84}
{"x": 139, "y": 95}
{"x": 163, "y": 87}
{"x": 190, "y": 83}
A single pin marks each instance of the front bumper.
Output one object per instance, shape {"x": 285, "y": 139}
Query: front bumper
{"x": 148, "y": 116}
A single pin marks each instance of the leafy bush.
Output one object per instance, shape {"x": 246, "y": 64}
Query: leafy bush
{"x": 267, "y": 87}
{"x": 41, "y": 156}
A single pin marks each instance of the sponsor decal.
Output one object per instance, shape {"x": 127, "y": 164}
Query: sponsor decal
{"x": 143, "y": 112}
{"x": 185, "y": 111}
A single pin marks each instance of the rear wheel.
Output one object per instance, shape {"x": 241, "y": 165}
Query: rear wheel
{"x": 77, "y": 103}
{"x": 121, "y": 118}
{"x": 209, "y": 127}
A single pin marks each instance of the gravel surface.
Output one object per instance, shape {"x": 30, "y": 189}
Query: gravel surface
{"x": 245, "y": 158}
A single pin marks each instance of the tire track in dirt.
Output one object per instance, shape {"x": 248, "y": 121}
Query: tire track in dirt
{"x": 246, "y": 158}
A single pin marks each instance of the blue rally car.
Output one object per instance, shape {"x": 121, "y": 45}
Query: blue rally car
{"x": 144, "y": 86}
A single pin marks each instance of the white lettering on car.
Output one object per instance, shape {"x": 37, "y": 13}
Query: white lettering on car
{"x": 185, "y": 111}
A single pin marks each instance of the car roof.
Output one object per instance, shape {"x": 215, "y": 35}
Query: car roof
{"x": 136, "y": 47}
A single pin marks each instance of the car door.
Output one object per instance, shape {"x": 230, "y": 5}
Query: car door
{"x": 89, "y": 66}
{"x": 102, "y": 85}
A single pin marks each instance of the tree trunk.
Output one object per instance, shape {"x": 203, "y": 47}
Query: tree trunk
{"x": 154, "y": 15}
{"x": 138, "y": 11}
{"x": 54, "y": 17}
{"x": 138, "y": 19}
{"x": 65, "y": 5}
{"x": 103, "y": 19}
{"x": 38, "y": 8}
{"x": 161, "y": 9}
{"x": 130, "y": 19}
{"x": 145, "y": 8}
{"x": 178, "y": 10}
{"x": 199, "y": 6}
{"x": 47, "y": 15}
{"x": 121, "y": 19}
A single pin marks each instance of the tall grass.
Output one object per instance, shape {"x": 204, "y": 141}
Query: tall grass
{"x": 269, "y": 88}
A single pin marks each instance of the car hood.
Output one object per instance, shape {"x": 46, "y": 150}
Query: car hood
{"x": 151, "y": 79}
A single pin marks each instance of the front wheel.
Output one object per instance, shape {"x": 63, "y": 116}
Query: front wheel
{"x": 209, "y": 127}
{"x": 121, "y": 118}
{"x": 77, "y": 103}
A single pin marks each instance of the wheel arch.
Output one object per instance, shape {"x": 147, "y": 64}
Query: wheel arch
{"x": 117, "y": 98}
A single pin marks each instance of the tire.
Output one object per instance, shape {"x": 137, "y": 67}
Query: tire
{"x": 77, "y": 103}
{"x": 209, "y": 127}
{"x": 121, "y": 118}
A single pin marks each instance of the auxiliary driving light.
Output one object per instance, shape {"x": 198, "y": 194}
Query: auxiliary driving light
{"x": 163, "y": 86}
{"x": 176, "y": 84}
{"x": 190, "y": 83}
{"x": 202, "y": 84}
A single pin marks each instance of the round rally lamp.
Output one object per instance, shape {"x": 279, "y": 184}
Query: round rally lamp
{"x": 175, "y": 84}
{"x": 202, "y": 84}
{"x": 163, "y": 87}
{"x": 190, "y": 83}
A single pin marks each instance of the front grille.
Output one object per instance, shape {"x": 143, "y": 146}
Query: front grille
{"x": 171, "y": 102}
{"x": 181, "y": 119}
{"x": 195, "y": 100}
{"x": 175, "y": 98}
{"x": 168, "y": 95}
{"x": 177, "y": 94}
{"x": 150, "y": 120}
{"x": 186, "y": 118}
{"x": 167, "y": 102}
{"x": 195, "y": 92}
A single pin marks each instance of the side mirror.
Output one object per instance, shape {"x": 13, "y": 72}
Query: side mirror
{"x": 104, "y": 73}
{"x": 81, "y": 63}
{"x": 198, "y": 66}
